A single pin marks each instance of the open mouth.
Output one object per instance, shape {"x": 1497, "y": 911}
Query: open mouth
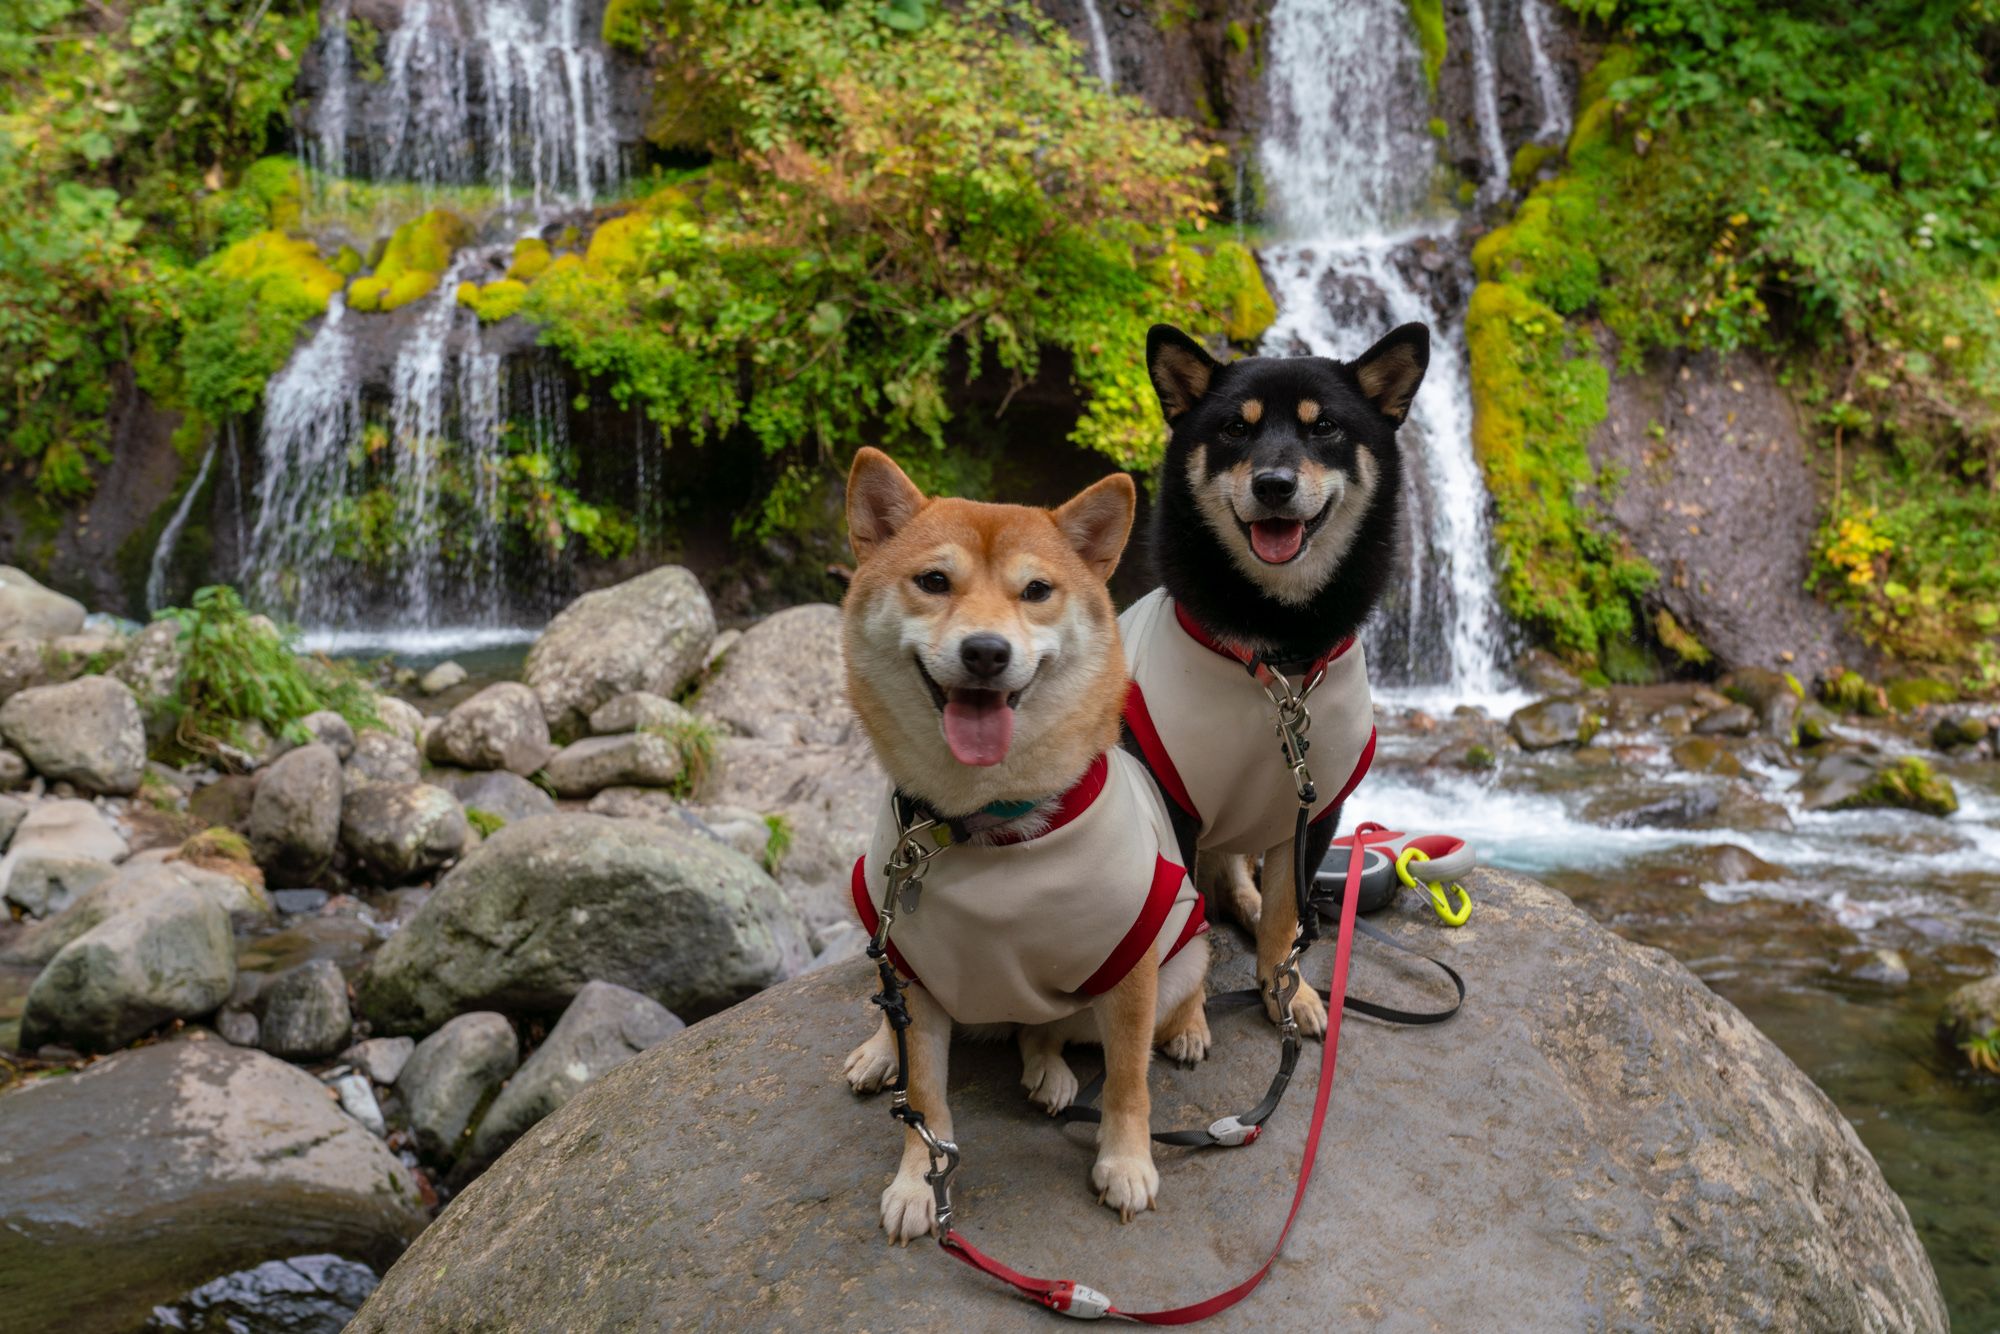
{"x": 1276, "y": 541}
{"x": 978, "y": 723}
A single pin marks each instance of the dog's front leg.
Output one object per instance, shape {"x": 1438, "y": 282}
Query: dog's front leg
{"x": 1277, "y": 929}
{"x": 909, "y": 1210}
{"x": 1124, "y": 1175}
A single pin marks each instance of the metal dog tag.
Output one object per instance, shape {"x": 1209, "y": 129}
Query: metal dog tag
{"x": 907, "y": 899}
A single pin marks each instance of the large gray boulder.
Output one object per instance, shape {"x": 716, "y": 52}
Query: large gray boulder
{"x": 380, "y": 757}
{"x": 397, "y": 832}
{"x": 783, "y": 680}
{"x": 501, "y": 727}
{"x": 29, "y": 611}
{"x": 295, "y": 816}
{"x": 151, "y": 667}
{"x": 556, "y": 901}
{"x": 59, "y": 850}
{"x": 500, "y": 793}
{"x": 450, "y": 1075}
{"x": 88, "y": 732}
{"x": 636, "y": 709}
{"x": 1610, "y": 1146}
{"x": 41, "y": 884}
{"x": 604, "y": 1027}
{"x": 1553, "y": 722}
{"x": 127, "y": 1183}
{"x": 169, "y": 956}
{"x": 648, "y": 633}
{"x": 135, "y": 882}
{"x": 397, "y": 717}
{"x": 632, "y": 759}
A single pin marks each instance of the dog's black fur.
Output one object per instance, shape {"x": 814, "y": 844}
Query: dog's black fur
{"x": 1200, "y": 398}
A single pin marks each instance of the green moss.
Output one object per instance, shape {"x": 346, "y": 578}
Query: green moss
{"x": 1680, "y": 641}
{"x": 486, "y": 822}
{"x": 1480, "y": 757}
{"x": 531, "y": 256}
{"x": 1239, "y": 36}
{"x": 1544, "y": 251}
{"x": 242, "y": 311}
{"x": 1529, "y": 159}
{"x": 614, "y": 246}
{"x": 1914, "y": 692}
{"x": 628, "y": 24}
{"x": 777, "y": 841}
{"x": 412, "y": 264}
{"x": 1851, "y": 692}
{"x": 1439, "y": 130}
{"x": 1909, "y": 784}
{"x": 347, "y": 261}
{"x": 1427, "y": 16}
{"x": 496, "y": 301}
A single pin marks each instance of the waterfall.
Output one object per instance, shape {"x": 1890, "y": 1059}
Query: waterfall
{"x": 1100, "y": 44}
{"x": 1364, "y": 246}
{"x": 170, "y": 536}
{"x": 1486, "y": 104}
{"x": 482, "y": 92}
{"x": 1549, "y": 90}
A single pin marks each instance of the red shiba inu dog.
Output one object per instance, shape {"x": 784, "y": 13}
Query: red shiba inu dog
{"x": 984, "y": 662}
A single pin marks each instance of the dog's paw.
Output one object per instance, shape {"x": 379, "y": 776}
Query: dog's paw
{"x": 909, "y": 1210}
{"x": 1130, "y": 1185}
{"x": 871, "y": 1065}
{"x": 1307, "y": 1008}
{"x": 1189, "y": 1045}
{"x": 1051, "y": 1084}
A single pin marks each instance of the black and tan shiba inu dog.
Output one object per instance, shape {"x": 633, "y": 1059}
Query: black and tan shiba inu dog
{"x": 1274, "y": 534}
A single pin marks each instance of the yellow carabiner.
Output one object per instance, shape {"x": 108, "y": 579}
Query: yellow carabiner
{"x": 1440, "y": 900}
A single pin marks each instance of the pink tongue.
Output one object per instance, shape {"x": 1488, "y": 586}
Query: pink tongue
{"x": 978, "y": 726}
{"x": 1276, "y": 540}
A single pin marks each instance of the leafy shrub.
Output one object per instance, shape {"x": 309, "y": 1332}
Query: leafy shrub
{"x": 777, "y": 841}
{"x": 696, "y": 741}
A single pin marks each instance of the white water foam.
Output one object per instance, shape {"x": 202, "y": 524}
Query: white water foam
{"x": 1549, "y": 89}
{"x": 170, "y": 536}
{"x": 1100, "y": 45}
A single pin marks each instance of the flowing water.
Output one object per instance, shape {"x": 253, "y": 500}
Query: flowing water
{"x": 1365, "y": 239}
{"x": 170, "y": 536}
{"x": 1100, "y": 45}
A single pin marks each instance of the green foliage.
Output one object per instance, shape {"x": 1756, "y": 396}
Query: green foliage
{"x": 242, "y": 310}
{"x": 1982, "y": 1051}
{"x": 117, "y": 125}
{"x": 418, "y": 253}
{"x": 1910, "y": 784}
{"x": 777, "y": 841}
{"x": 696, "y": 741}
{"x": 486, "y": 822}
{"x": 888, "y": 209}
{"x": 1850, "y": 692}
{"x": 237, "y": 668}
{"x": 1427, "y": 16}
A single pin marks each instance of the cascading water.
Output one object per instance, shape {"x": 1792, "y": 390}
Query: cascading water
{"x": 1100, "y": 45}
{"x": 1366, "y": 244}
{"x": 170, "y": 536}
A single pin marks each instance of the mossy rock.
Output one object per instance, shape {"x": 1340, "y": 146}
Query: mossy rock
{"x": 347, "y": 261}
{"x": 614, "y": 246}
{"x": 413, "y": 262}
{"x": 1529, "y": 159}
{"x": 1951, "y": 733}
{"x": 283, "y": 272}
{"x": 1427, "y": 16}
{"x": 1916, "y": 691}
{"x": 531, "y": 256}
{"x": 1225, "y": 280}
{"x": 498, "y": 300}
{"x": 1909, "y": 784}
{"x": 1851, "y": 692}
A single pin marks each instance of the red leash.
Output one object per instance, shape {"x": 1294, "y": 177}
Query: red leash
{"x": 1086, "y": 1303}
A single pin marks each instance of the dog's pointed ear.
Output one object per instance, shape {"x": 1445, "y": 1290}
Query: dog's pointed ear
{"x": 1181, "y": 368}
{"x": 1390, "y": 371}
{"x": 880, "y": 500}
{"x": 1097, "y": 520}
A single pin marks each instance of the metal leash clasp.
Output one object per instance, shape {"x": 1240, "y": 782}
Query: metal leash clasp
{"x": 906, "y": 869}
{"x": 944, "y": 1162}
{"x": 1294, "y": 721}
{"x": 1285, "y": 984}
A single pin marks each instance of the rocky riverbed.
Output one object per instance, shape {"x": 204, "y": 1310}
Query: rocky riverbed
{"x": 394, "y": 948}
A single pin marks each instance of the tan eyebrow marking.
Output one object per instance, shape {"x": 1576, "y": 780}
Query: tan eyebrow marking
{"x": 1252, "y": 410}
{"x": 1308, "y": 410}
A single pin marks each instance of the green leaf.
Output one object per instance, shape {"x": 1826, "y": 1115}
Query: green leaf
{"x": 903, "y": 15}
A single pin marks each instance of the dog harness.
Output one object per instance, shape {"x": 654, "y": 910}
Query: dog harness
{"x": 1033, "y": 930}
{"x": 1205, "y": 727}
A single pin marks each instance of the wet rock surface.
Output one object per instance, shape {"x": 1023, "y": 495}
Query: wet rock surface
{"x": 88, "y": 732}
{"x": 1678, "y": 1199}
{"x": 167, "y": 956}
{"x": 123, "y": 1184}
{"x": 308, "y": 1294}
{"x": 450, "y": 1075}
{"x": 304, "y": 1012}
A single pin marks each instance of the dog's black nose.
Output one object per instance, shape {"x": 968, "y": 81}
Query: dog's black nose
{"x": 1275, "y": 487}
{"x": 985, "y": 656}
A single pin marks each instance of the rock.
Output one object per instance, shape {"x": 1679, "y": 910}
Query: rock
{"x": 381, "y": 1059}
{"x": 295, "y": 816}
{"x": 312, "y": 1294}
{"x": 381, "y": 758}
{"x": 151, "y": 667}
{"x": 718, "y": 647}
{"x": 237, "y": 1026}
{"x": 553, "y": 902}
{"x": 168, "y": 956}
{"x": 1544, "y": 673}
{"x": 634, "y": 710}
{"x": 42, "y": 884}
{"x": 450, "y": 1074}
{"x": 1775, "y": 697}
{"x": 605, "y": 1026}
{"x": 783, "y": 681}
{"x": 1847, "y": 780}
{"x": 395, "y": 832}
{"x": 29, "y": 611}
{"x": 1727, "y": 864}
{"x": 1952, "y": 732}
{"x": 330, "y": 729}
{"x": 55, "y": 853}
{"x": 13, "y": 769}
{"x": 500, "y": 793}
{"x": 399, "y": 718}
{"x": 88, "y": 732}
{"x": 1974, "y": 1009}
{"x": 152, "y": 1169}
{"x": 1706, "y": 755}
{"x": 1553, "y": 722}
{"x": 648, "y": 633}
{"x": 1603, "y": 1146}
{"x": 642, "y": 759}
{"x": 1884, "y": 968}
{"x": 357, "y": 1099}
{"x": 441, "y": 678}
{"x": 12, "y": 811}
{"x": 304, "y": 1012}
{"x": 1730, "y": 720}
{"x": 1678, "y": 808}
{"x": 501, "y": 727}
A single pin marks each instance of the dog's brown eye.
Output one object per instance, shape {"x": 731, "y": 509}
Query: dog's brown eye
{"x": 1323, "y": 427}
{"x": 1036, "y": 591}
{"x": 1237, "y": 429}
{"x": 934, "y": 581}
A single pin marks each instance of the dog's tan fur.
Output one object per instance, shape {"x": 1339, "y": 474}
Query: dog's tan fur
{"x": 1072, "y": 680}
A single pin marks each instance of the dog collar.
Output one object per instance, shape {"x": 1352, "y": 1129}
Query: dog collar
{"x": 1214, "y": 643}
{"x": 947, "y": 830}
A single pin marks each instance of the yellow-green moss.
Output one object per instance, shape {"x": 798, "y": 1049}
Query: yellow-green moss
{"x": 614, "y": 246}
{"x": 347, "y": 261}
{"x": 1428, "y": 18}
{"x": 1239, "y": 36}
{"x": 1226, "y": 281}
{"x": 628, "y": 23}
{"x": 1910, "y": 784}
{"x": 531, "y": 256}
{"x": 1914, "y": 692}
{"x": 494, "y": 302}
{"x": 1679, "y": 640}
{"x": 1529, "y": 159}
{"x": 283, "y": 271}
{"x": 413, "y": 263}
